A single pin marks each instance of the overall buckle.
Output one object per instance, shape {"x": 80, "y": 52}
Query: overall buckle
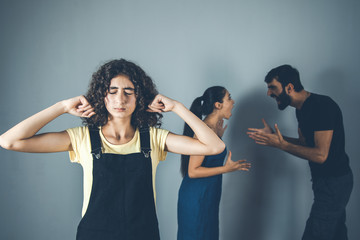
{"x": 146, "y": 153}
{"x": 97, "y": 153}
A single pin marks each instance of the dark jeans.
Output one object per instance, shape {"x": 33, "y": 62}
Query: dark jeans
{"x": 327, "y": 216}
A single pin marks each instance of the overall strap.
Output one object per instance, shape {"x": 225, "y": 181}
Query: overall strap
{"x": 95, "y": 141}
{"x": 145, "y": 141}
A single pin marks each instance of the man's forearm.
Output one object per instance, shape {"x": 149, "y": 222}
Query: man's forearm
{"x": 308, "y": 153}
{"x": 295, "y": 141}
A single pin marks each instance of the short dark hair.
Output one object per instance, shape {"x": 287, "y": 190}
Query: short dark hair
{"x": 285, "y": 74}
{"x": 145, "y": 92}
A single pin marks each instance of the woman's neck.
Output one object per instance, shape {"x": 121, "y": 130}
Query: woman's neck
{"x": 118, "y": 131}
{"x": 212, "y": 120}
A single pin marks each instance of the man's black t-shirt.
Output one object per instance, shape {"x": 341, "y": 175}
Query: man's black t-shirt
{"x": 321, "y": 113}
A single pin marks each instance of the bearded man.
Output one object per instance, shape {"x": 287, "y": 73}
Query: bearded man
{"x": 321, "y": 142}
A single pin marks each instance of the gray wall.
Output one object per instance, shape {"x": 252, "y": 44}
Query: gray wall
{"x": 49, "y": 50}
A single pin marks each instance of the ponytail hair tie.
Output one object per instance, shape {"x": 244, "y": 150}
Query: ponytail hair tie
{"x": 202, "y": 100}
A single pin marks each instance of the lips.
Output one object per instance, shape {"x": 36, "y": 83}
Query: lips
{"x": 120, "y": 109}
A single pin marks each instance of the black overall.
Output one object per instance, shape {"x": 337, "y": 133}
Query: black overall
{"x": 121, "y": 203}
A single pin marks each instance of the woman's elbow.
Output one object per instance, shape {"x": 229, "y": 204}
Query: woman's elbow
{"x": 5, "y": 144}
{"x": 219, "y": 148}
{"x": 192, "y": 174}
{"x": 9, "y": 144}
{"x": 222, "y": 147}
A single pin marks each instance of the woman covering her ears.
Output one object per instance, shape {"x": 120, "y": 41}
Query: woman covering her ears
{"x": 119, "y": 148}
{"x": 200, "y": 190}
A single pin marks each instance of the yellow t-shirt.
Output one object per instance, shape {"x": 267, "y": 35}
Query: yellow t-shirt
{"x": 80, "y": 141}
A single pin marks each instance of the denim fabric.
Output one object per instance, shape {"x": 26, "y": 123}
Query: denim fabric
{"x": 327, "y": 216}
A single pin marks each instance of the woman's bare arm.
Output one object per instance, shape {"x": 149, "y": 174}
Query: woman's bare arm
{"x": 22, "y": 137}
{"x": 207, "y": 142}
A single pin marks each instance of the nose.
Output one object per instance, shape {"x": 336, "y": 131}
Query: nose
{"x": 121, "y": 98}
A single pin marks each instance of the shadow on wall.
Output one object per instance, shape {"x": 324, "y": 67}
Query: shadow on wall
{"x": 259, "y": 204}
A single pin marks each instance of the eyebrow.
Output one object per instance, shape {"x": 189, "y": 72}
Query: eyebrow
{"x": 125, "y": 88}
{"x": 130, "y": 88}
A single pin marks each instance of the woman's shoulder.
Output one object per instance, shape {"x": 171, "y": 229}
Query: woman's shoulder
{"x": 158, "y": 136}
{"x": 158, "y": 131}
{"x": 78, "y": 129}
{"x": 79, "y": 132}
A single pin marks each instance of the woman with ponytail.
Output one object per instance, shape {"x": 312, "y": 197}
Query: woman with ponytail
{"x": 200, "y": 190}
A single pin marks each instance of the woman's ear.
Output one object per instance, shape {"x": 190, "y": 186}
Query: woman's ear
{"x": 218, "y": 105}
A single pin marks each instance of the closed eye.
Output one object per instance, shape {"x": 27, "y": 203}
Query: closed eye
{"x": 129, "y": 91}
{"x": 113, "y": 90}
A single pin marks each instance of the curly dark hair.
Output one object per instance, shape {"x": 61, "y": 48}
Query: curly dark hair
{"x": 145, "y": 91}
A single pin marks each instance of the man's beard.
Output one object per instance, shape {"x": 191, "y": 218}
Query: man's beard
{"x": 283, "y": 100}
